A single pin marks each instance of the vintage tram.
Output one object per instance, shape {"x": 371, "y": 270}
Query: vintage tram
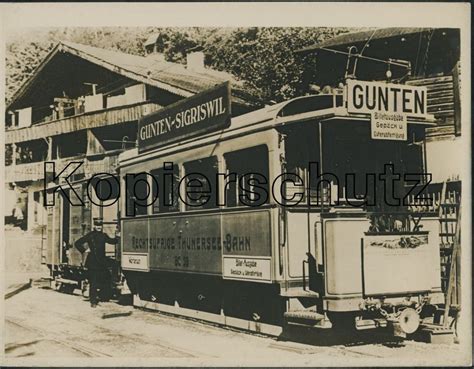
{"x": 282, "y": 215}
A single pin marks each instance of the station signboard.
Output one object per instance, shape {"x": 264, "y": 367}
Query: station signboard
{"x": 389, "y": 106}
{"x": 202, "y": 113}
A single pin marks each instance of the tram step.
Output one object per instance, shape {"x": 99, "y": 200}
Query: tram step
{"x": 67, "y": 281}
{"x": 303, "y": 315}
{"x": 298, "y": 292}
{"x": 307, "y": 318}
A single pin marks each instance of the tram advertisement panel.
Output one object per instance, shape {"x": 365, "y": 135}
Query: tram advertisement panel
{"x": 397, "y": 263}
{"x": 199, "y": 244}
{"x": 190, "y": 243}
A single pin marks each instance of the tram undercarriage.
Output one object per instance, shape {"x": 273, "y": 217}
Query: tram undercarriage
{"x": 267, "y": 308}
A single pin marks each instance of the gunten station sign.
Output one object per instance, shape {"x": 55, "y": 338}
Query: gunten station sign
{"x": 202, "y": 113}
{"x": 389, "y": 106}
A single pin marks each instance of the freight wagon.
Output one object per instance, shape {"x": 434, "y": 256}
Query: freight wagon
{"x": 67, "y": 222}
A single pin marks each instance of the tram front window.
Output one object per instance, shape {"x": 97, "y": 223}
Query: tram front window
{"x": 247, "y": 177}
{"x": 352, "y": 156}
{"x": 201, "y": 183}
{"x": 347, "y": 156}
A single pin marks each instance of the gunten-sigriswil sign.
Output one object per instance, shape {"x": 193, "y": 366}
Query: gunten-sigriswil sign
{"x": 202, "y": 113}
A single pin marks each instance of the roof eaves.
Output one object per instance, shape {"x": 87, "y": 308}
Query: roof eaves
{"x": 361, "y": 36}
{"x": 125, "y": 72}
{"x": 74, "y": 49}
{"x": 25, "y": 86}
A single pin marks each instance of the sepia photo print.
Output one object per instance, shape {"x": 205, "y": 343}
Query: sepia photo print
{"x": 183, "y": 190}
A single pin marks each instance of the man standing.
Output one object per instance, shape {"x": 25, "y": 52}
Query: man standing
{"x": 95, "y": 259}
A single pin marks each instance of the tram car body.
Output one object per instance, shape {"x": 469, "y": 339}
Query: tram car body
{"x": 275, "y": 260}
{"x": 67, "y": 221}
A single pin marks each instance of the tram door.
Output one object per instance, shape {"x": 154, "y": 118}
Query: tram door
{"x": 77, "y": 229}
{"x": 65, "y": 222}
{"x": 301, "y": 148}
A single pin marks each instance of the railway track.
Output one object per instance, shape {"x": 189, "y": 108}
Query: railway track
{"x": 88, "y": 351}
{"x": 59, "y": 339}
{"x": 93, "y": 334}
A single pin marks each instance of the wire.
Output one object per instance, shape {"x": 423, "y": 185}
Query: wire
{"x": 425, "y": 61}
{"x": 365, "y": 57}
{"x": 370, "y": 38}
{"x": 418, "y": 52}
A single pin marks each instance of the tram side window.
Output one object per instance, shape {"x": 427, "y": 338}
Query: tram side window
{"x": 167, "y": 192}
{"x": 247, "y": 182}
{"x": 201, "y": 183}
{"x": 137, "y": 193}
{"x": 301, "y": 148}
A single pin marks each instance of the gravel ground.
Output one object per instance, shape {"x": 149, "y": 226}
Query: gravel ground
{"x": 45, "y": 327}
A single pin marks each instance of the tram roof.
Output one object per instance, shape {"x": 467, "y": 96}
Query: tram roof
{"x": 304, "y": 108}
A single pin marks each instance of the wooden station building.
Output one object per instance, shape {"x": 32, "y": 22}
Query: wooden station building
{"x": 82, "y": 104}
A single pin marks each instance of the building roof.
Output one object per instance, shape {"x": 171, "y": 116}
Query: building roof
{"x": 151, "y": 40}
{"x": 363, "y": 36}
{"x": 171, "y": 77}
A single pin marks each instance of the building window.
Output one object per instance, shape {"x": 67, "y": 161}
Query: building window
{"x": 8, "y": 154}
{"x": 70, "y": 144}
{"x": 36, "y": 199}
{"x": 107, "y": 190}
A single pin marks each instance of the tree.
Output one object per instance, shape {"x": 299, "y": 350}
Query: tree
{"x": 265, "y": 58}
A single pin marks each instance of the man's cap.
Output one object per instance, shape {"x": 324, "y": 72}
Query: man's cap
{"x": 98, "y": 221}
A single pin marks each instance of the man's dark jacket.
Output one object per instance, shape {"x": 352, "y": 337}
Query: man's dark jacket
{"x": 96, "y": 241}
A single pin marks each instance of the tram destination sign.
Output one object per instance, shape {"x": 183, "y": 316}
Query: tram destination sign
{"x": 369, "y": 97}
{"x": 202, "y": 113}
{"x": 389, "y": 106}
